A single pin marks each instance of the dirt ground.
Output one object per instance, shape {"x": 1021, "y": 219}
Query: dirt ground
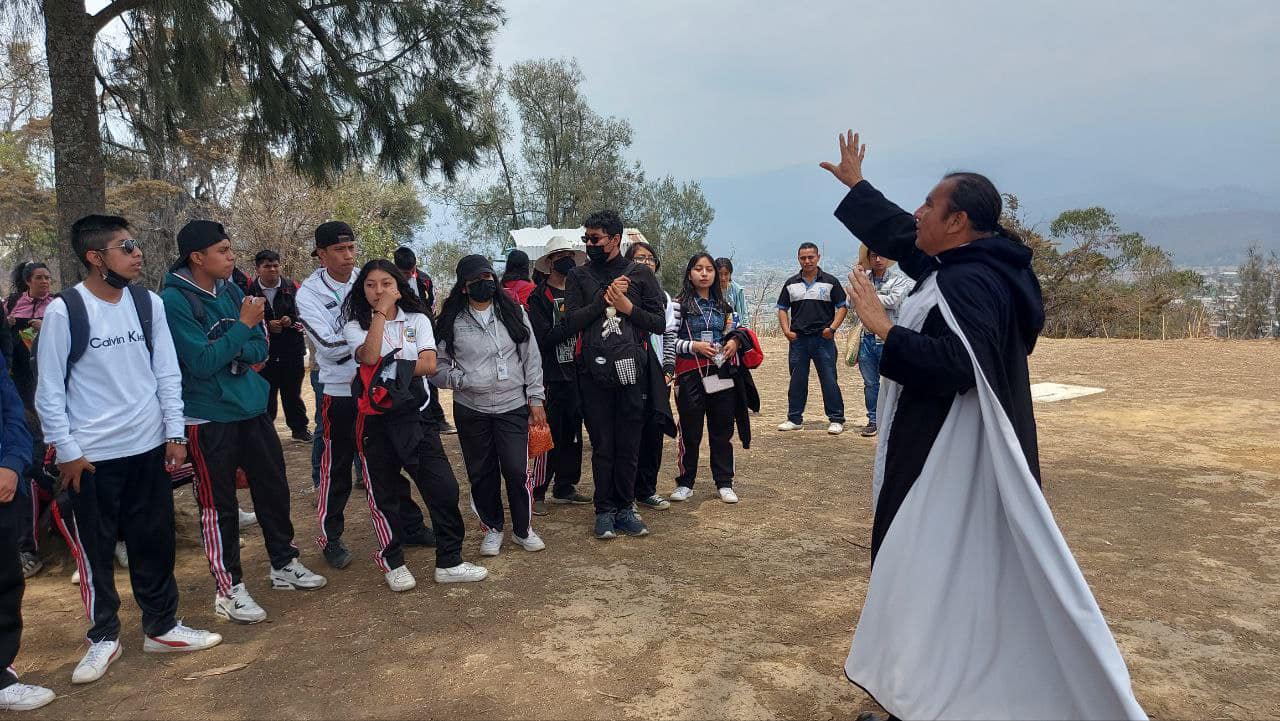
{"x": 1167, "y": 487}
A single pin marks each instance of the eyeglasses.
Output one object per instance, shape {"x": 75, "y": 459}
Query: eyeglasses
{"x": 128, "y": 246}
{"x": 595, "y": 239}
{"x": 646, "y": 259}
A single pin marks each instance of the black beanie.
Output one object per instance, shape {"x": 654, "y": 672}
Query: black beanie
{"x": 471, "y": 266}
{"x": 197, "y": 235}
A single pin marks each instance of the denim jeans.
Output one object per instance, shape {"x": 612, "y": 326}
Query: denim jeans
{"x": 869, "y": 365}
{"x": 317, "y": 439}
{"x": 823, "y": 354}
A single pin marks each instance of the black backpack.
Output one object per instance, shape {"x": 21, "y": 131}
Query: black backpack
{"x": 388, "y": 388}
{"x": 609, "y": 349}
{"x": 78, "y": 322}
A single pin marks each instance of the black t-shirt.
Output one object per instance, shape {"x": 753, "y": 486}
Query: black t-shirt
{"x": 812, "y": 305}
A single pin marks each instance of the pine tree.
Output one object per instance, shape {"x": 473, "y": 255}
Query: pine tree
{"x": 331, "y": 82}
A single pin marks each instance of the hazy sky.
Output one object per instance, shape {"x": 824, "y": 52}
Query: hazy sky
{"x": 719, "y": 89}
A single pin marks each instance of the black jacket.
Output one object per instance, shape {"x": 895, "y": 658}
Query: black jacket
{"x": 287, "y": 346}
{"x": 585, "y": 311}
{"x": 550, "y": 336}
{"x": 996, "y": 300}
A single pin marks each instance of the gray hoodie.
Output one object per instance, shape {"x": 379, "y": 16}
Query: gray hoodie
{"x": 470, "y": 366}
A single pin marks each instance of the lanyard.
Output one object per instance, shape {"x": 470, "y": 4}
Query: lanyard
{"x": 484, "y": 327}
{"x": 332, "y": 290}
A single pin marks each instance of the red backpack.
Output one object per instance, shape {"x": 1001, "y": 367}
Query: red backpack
{"x": 753, "y": 358}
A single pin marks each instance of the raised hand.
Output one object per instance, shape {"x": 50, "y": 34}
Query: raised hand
{"x": 252, "y": 311}
{"x": 849, "y": 170}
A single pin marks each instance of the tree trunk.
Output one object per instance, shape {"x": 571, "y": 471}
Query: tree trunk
{"x": 79, "y": 175}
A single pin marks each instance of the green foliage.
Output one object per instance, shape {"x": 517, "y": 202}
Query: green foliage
{"x": 1100, "y": 281}
{"x": 1252, "y": 315}
{"x": 556, "y": 160}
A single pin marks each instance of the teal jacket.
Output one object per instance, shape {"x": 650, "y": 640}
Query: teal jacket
{"x": 210, "y": 391}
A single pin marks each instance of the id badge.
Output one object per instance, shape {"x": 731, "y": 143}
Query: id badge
{"x": 708, "y": 336}
{"x": 503, "y": 372}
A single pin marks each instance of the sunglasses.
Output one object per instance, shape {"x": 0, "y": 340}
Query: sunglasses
{"x": 128, "y": 246}
{"x": 595, "y": 239}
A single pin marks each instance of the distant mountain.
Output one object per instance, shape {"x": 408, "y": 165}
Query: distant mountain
{"x": 764, "y": 217}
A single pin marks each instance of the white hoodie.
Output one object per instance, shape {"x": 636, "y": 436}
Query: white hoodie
{"x": 320, "y": 299}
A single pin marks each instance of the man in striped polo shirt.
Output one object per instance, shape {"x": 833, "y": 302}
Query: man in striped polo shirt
{"x": 810, "y": 308}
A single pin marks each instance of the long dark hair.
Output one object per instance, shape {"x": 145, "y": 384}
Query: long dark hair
{"x": 977, "y": 196}
{"x": 508, "y": 312}
{"x": 517, "y": 267}
{"x": 19, "y": 278}
{"x": 688, "y": 297}
{"x": 356, "y": 307}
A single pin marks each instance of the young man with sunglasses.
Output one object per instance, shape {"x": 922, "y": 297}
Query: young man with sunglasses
{"x": 219, "y": 336}
{"x": 609, "y": 297}
{"x": 320, "y": 299}
{"x": 115, "y": 420}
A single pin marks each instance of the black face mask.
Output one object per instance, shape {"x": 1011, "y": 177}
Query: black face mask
{"x": 597, "y": 254}
{"x": 564, "y": 265}
{"x": 115, "y": 280}
{"x": 482, "y": 291}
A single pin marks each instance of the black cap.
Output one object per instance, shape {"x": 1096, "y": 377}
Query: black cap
{"x": 332, "y": 233}
{"x": 471, "y": 266}
{"x": 198, "y": 235}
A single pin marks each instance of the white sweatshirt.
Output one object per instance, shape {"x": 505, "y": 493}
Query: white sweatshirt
{"x": 320, "y": 300}
{"x": 119, "y": 401}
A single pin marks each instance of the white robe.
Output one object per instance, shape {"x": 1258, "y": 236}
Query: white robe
{"x": 976, "y": 608}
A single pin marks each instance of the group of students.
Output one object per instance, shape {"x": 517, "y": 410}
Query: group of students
{"x": 135, "y": 390}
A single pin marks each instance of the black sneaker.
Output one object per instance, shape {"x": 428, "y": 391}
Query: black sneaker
{"x": 656, "y": 502}
{"x": 425, "y": 538}
{"x": 577, "y": 499}
{"x": 31, "y": 564}
{"x": 628, "y": 521}
{"x": 539, "y": 508}
{"x": 869, "y": 430}
{"x": 604, "y": 526}
{"x": 303, "y": 435}
{"x": 336, "y": 553}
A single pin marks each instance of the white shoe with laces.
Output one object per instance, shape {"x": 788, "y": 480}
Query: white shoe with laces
{"x": 531, "y": 542}
{"x": 296, "y": 577}
{"x": 122, "y": 554}
{"x": 789, "y": 426}
{"x": 728, "y": 496}
{"x": 247, "y": 518}
{"x": 681, "y": 493}
{"x": 24, "y": 697}
{"x": 492, "y": 543}
{"x": 835, "y": 429}
{"x": 96, "y": 660}
{"x": 181, "y": 638}
{"x": 399, "y": 579}
{"x": 462, "y": 573}
{"x": 238, "y": 606}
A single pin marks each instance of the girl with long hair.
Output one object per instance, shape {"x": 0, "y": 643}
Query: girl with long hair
{"x": 384, "y": 317}
{"x": 490, "y": 358}
{"x": 701, "y": 340}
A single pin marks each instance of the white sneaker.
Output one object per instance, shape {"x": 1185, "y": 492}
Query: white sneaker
{"x": 96, "y": 660}
{"x": 531, "y": 542}
{"x": 122, "y": 555}
{"x": 296, "y": 577}
{"x": 728, "y": 496}
{"x": 491, "y": 544}
{"x": 462, "y": 573}
{"x": 75, "y": 577}
{"x": 399, "y": 579}
{"x": 247, "y": 518}
{"x": 23, "y": 697}
{"x": 180, "y": 638}
{"x": 835, "y": 429}
{"x": 681, "y": 493}
{"x": 238, "y": 606}
{"x": 789, "y": 426}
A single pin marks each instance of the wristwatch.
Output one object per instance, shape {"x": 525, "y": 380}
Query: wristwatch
{"x": 180, "y": 441}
